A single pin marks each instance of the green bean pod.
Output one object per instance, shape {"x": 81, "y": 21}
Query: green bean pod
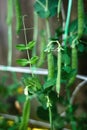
{"x": 58, "y": 80}
{"x": 18, "y": 16}
{"x": 42, "y": 53}
{"x": 74, "y": 65}
{"x": 9, "y": 12}
{"x": 25, "y": 116}
{"x": 50, "y": 65}
{"x": 50, "y": 58}
{"x": 80, "y": 18}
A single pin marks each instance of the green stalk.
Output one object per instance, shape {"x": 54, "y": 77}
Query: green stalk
{"x": 25, "y": 116}
{"x": 67, "y": 22}
{"x": 50, "y": 58}
{"x": 59, "y": 7}
{"x": 9, "y": 11}
{"x": 9, "y": 45}
{"x": 35, "y": 33}
{"x": 50, "y": 117}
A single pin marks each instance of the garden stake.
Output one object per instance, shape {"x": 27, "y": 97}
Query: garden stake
{"x": 9, "y": 45}
{"x": 9, "y": 23}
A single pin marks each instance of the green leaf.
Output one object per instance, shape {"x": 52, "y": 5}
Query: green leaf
{"x": 33, "y": 60}
{"x": 20, "y": 47}
{"x": 22, "y": 62}
{"x": 31, "y": 44}
{"x": 33, "y": 84}
{"x": 43, "y": 12}
{"x": 66, "y": 59}
{"x": 81, "y": 47}
{"x": 49, "y": 83}
{"x": 21, "y": 98}
{"x": 67, "y": 69}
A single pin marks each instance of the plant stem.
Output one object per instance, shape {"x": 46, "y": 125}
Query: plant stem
{"x": 67, "y": 21}
{"x": 40, "y": 3}
{"x": 50, "y": 118}
{"x": 59, "y": 8}
{"x": 35, "y": 33}
{"x": 25, "y": 36}
{"x": 9, "y": 45}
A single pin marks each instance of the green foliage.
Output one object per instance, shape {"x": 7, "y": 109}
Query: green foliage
{"x": 23, "y": 62}
{"x": 49, "y": 83}
{"x": 46, "y": 8}
{"x": 22, "y": 47}
{"x": 33, "y": 84}
{"x": 61, "y": 74}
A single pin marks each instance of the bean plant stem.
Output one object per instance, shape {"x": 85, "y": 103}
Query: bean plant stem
{"x": 67, "y": 21}
{"x": 26, "y": 41}
{"x": 25, "y": 36}
{"x": 59, "y": 7}
{"x": 50, "y": 118}
{"x": 40, "y": 3}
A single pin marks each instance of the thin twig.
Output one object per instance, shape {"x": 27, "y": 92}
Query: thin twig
{"x": 25, "y": 34}
{"x": 79, "y": 86}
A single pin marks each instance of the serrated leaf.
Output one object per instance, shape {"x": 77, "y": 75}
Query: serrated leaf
{"x": 31, "y": 44}
{"x": 33, "y": 60}
{"x": 22, "y": 62}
